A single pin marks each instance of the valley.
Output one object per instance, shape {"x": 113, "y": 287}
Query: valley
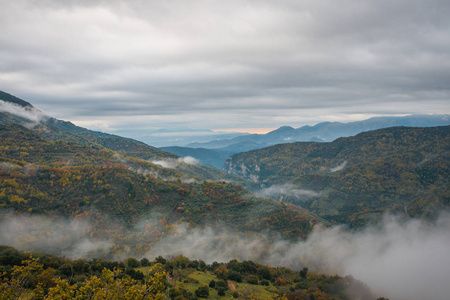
{"x": 87, "y": 197}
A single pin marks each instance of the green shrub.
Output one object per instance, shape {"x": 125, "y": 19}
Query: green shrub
{"x": 202, "y": 291}
{"x": 252, "y": 279}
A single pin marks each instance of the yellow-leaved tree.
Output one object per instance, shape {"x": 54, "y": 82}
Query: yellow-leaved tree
{"x": 110, "y": 285}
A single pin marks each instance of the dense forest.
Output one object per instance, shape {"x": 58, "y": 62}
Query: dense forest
{"x": 355, "y": 179}
{"x": 44, "y": 276}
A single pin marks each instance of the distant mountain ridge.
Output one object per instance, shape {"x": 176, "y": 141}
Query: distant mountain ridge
{"x": 325, "y": 131}
{"x": 219, "y": 150}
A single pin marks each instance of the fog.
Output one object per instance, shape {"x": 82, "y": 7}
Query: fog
{"x": 173, "y": 163}
{"x": 7, "y": 166}
{"x": 52, "y": 235}
{"x": 339, "y": 168}
{"x": 398, "y": 258}
{"x": 279, "y": 192}
{"x": 28, "y": 113}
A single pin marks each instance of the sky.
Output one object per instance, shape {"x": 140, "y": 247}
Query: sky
{"x": 119, "y": 66}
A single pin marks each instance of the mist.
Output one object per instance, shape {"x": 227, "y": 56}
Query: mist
{"x": 398, "y": 258}
{"x": 173, "y": 163}
{"x": 28, "y": 113}
{"x": 339, "y": 168}
{"x": 280, "y": 192}
{"x": 55, "y": 235}
{"x": 7, "y": 166}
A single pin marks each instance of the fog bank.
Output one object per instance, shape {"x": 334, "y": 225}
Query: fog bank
{"x": 398, "y": 259}
{"x": 51, "y": 235}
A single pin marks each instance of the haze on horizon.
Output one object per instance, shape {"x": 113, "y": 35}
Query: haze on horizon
{"x": 119, "y": 66}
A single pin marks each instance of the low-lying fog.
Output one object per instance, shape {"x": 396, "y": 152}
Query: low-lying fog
{"x": 399, "y": 259}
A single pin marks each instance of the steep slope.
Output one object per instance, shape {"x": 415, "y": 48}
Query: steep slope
{"x": 354, "y": 179}
{"x": 127, "y": 201}
{"x": 17, "y": 111}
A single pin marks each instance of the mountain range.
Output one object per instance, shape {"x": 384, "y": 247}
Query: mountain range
{"x": 349, "y": 180}
{"x": 214, "y": 153}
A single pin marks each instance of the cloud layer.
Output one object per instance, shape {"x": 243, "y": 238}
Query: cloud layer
{"x": 234, "y": 64}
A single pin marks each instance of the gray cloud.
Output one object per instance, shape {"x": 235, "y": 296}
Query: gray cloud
{"x": 227, "y": 64}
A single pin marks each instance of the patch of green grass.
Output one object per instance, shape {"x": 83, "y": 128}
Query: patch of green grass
{"x": 258, "y": 291}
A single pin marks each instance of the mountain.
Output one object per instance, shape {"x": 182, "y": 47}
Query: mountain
{"x": 93, "y": 190}
{"x": 119, "y": 194}
{"x": 212, "y": 157}
{"x": 208, "y": 157}
{"x": 355, "y": 179}
{"x": 176, "y": 136}
{"x": 17, "y": 111}
{"x": 324, "y": 132}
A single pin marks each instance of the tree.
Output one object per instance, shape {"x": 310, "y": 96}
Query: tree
{"x": 145, "y": 262}
{"x": 202, "y": 291}
{"x": 133, "y": 263}
{"x": 304, "y": 272}
{"x": 235, "y": 276}
{"x": 252, "y": 279}
{"x": 112, "y": 286}
{"x": 212, "y": 283}
{"x": 13, "y": 288}
{"x": 264, "y": 273}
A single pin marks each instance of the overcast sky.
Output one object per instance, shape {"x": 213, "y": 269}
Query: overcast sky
{"x": 121, "y": 65}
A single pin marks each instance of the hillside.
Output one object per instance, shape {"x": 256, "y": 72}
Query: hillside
{"x": 175, "y": 278}
{"x": 127, "y": 201}
{"x": 17, "y": 111}
{"x": 357, "y": 178}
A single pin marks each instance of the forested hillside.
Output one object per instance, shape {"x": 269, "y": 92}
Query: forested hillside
{"x": 128, "y": 201}
{"x": 44, "y": 276}
{"x": 356, "y": 179}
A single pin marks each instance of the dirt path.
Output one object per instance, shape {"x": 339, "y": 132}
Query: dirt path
{"x": 231, "y": 286}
